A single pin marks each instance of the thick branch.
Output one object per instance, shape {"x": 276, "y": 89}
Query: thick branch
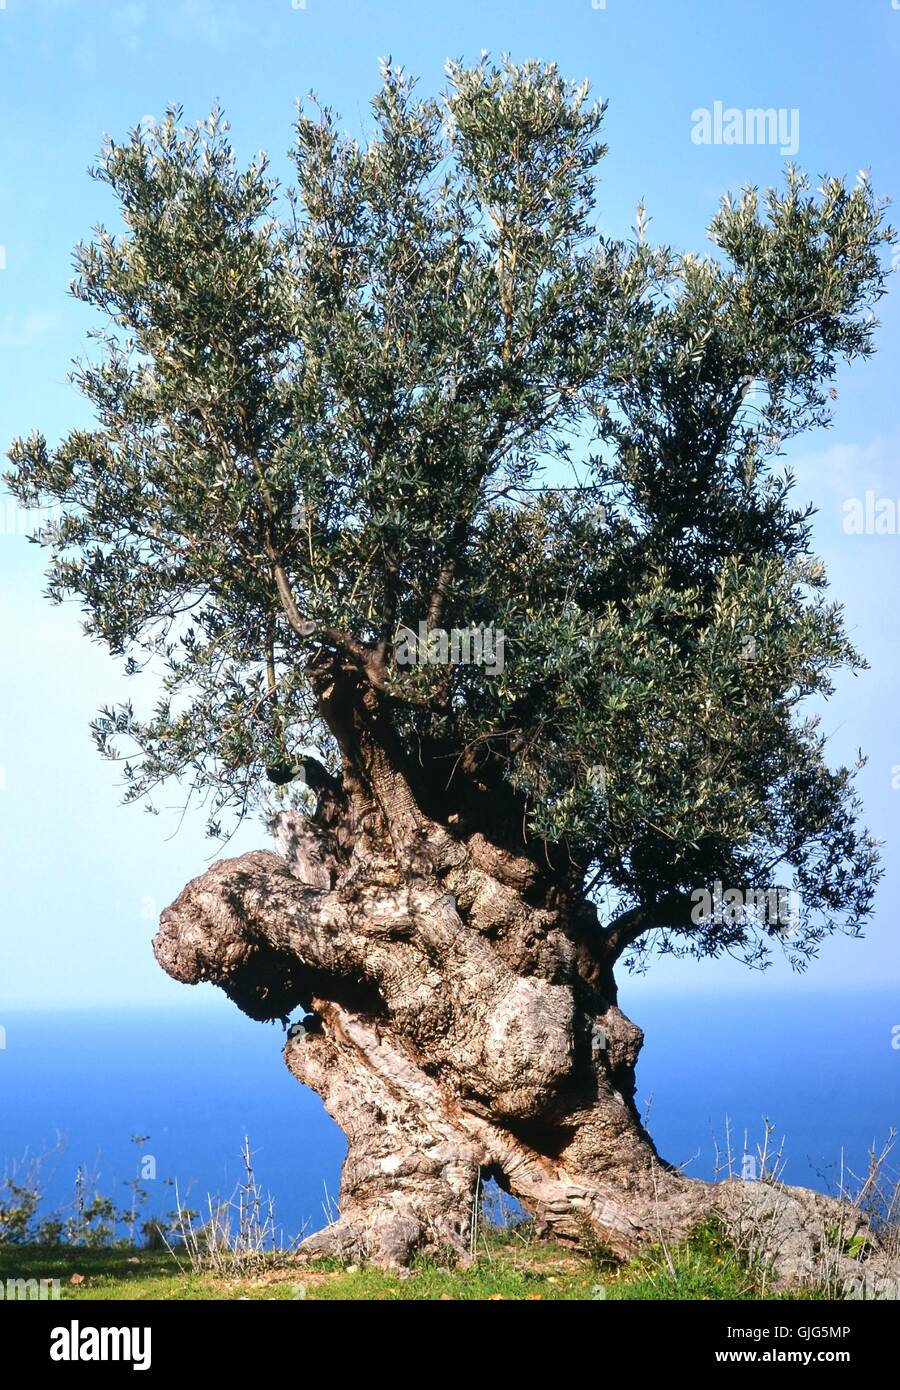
{"x": 267, "y": 939}
{"x": 371, "y": 660}
{"x": 672, "y": 912}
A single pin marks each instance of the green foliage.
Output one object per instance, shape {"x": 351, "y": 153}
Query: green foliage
{"x": 419, "y": 385}
{"x": 91, "y": 1221}
{"x": 19, "y": 1200}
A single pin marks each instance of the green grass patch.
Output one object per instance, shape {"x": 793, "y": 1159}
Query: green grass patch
{"x": 510, "y": 1266}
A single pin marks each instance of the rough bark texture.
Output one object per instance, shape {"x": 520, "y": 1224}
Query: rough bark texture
{"x": 461, "y": 1024}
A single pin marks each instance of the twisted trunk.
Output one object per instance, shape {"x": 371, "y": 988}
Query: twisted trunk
{"x": 461, "y": 1020}
{"x": 447, "y": 1031}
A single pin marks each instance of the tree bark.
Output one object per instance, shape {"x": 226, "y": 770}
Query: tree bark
{"x": 461, "y": 1024}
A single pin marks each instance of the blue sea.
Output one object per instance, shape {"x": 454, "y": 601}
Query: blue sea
{"x": 77, "y": 1086}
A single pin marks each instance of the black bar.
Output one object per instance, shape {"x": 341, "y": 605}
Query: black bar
{"x": 266, "y": 1337}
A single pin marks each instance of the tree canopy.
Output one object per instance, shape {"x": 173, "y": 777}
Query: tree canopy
{"x": 419, "y": 385}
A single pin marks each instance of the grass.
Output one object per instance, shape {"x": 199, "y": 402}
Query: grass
{"x": 510, "y": 1266}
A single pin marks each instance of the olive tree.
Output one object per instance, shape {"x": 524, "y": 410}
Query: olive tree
{"x": 468, "y": 526}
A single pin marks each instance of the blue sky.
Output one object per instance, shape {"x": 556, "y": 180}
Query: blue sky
{"x": 84, "y": 879}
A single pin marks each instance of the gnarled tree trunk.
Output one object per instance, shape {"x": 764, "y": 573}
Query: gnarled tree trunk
{"x": 461, "y": 1021}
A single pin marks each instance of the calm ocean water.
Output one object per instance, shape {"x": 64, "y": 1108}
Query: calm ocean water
{"x": 821, "y": 1067}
